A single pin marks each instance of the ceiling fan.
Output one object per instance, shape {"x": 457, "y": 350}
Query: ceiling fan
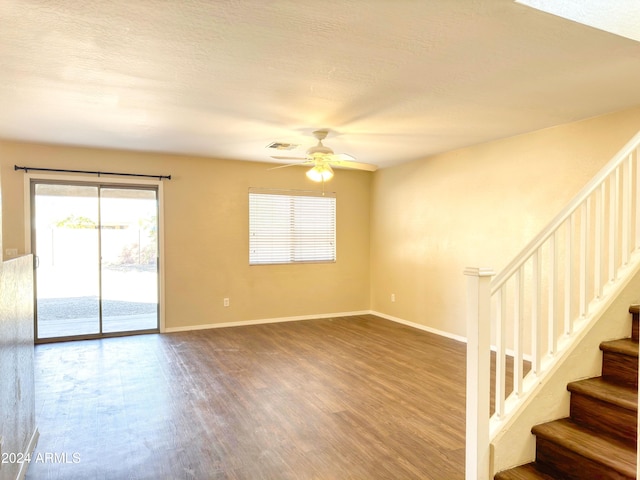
{"x": 322, "y": 158}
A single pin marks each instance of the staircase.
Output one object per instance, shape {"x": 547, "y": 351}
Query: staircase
{"x": 598, "y": 440}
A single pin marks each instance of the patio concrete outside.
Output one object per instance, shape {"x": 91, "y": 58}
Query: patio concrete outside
{"x": 68, "y": 302}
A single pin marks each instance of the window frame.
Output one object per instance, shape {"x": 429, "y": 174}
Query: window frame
{"x": 285, "y": 214}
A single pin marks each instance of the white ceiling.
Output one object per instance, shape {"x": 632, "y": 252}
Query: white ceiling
{"x": 394, "y": 80}
{"x": 619, "y": 16}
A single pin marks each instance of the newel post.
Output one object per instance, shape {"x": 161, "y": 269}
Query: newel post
{"x": 478, "y": 372}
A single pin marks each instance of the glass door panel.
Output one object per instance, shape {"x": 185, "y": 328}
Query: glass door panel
{"x": 96, "y": 249}
{"x": 67, "y": 248}
{"x": 129, "y": 228}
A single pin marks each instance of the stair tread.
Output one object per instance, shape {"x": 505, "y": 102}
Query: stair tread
{"x": 586, "y": 443}
{"x": 617, "y": 394}
{"x": 524, "y": 472}
{"x": 625, "y": 346}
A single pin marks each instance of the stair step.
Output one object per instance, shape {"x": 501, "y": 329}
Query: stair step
{"x": 622, "y": 396}
{"x": 624, "y": 346}
{"x": 608, "y": 407}
{"x": 620, "y": 361}
{"x": 576, "y": 452}
{"x": 634, "y": 310}
{"x": 524, "y": 472}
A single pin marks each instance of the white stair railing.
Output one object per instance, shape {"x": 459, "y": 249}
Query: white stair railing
{"x": 530, "y": 313}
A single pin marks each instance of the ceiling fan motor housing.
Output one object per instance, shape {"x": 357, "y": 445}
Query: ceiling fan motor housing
{"x": 319, "y": 150}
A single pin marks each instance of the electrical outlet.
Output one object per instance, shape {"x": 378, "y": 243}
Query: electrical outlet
{"x": 225, "y": 302}
{"x": 11, "y": 252}
{"x": 393, "y": 297}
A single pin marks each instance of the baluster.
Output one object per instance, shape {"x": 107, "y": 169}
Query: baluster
{"x": 583, "y": 261}
{"x": 626, "y": 209}
{"x": 536, "y": 331}
{"x": 614, "y": 189}
{"x": 552, "y": 320}
{"x": 598, "y": 273}
{"x": 518, "y": 310}
{"x": 568, "y": 275}
{"x": 501, "y": 355}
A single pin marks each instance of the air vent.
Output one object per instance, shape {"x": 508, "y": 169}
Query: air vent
{"x": 283, "y": 146}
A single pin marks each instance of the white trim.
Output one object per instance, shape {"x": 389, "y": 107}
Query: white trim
{"x": 419, "y": 326}
{"x": 159, "y": 184}
{"x": 161, "y": 268}
{"x": 243, "y": 323}
{"x": 24, "y": 466}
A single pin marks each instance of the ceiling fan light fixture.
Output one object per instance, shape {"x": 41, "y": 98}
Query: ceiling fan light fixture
{"x": 320, "y": 173}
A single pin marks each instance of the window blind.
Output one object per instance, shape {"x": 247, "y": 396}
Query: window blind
{"x": 291, "y": 227}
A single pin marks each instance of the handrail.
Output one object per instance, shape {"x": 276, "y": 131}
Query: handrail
{"x": 551, "y": 288}
{"x": 559, "y": 219}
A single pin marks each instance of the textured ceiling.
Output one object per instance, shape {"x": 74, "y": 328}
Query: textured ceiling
{"x": 620, "y": 16}
{"x": 393, "y": 80}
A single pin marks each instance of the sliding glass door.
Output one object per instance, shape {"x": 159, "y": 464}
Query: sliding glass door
{"x": 96, "y": 250}
{"x": 129, "y": 268}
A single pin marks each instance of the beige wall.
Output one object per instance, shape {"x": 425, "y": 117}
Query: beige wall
{"x": 410, "y": 231}
{"x": 477, "y": 206}
{"x": 206, "y": 234}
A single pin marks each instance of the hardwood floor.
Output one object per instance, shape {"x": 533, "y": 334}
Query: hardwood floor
{"x": 343, "y": 398}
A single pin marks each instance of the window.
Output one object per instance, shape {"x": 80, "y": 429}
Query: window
{"x": 291, "y": 227}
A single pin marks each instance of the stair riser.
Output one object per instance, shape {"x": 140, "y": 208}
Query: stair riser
{"x": 613, "y": 420}
{"x": 530, "y": 471}
{"x": 621, "y": 368}
{"x": 571, "y": 466}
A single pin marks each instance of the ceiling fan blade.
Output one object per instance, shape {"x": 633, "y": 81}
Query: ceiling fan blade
{"x": 343, "y": 156}
{"x": 282, "y": 166}
{"x": 354, "y": 165}
{"x": 299, "y": 164}
{"x": 289, "y": 158}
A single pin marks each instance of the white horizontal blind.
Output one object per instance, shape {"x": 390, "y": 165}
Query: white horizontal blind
{"x": 291, "y": 227}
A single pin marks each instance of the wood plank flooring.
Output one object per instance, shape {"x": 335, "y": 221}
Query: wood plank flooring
{"x": 343, "y": 398}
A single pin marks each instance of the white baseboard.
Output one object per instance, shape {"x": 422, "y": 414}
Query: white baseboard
{"x": 22, "y": 473}
{"x": 420, "y": 326}
{"x": 509, "y": 352}
{"x": 316, "y": 316}
{"x": 263, "y": 321}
